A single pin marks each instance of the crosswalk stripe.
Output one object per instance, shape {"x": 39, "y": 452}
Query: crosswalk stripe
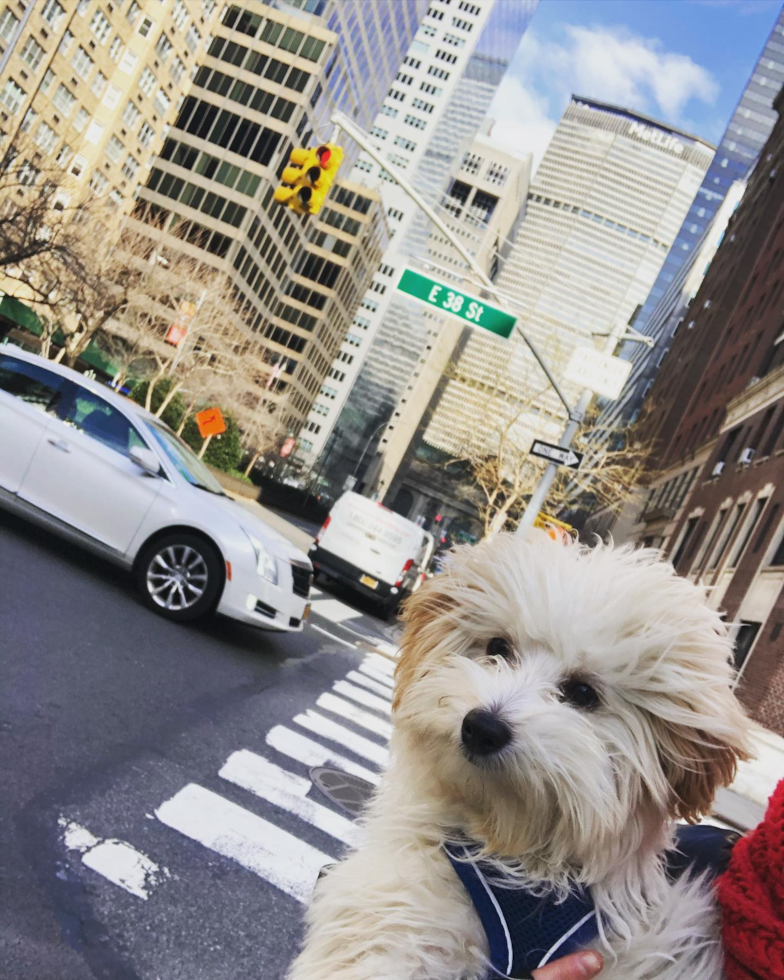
{"x": 327, "y": 728}
{"x": 116, "y": 860}
{"x": 380, "y": 689}
{"x": 284, "y": 860}
{"x": 362, "y": 697}
{"x": 334, "y": 610}
{"x": 351, "y": 712}
{"x": 286, "y": 790}
{"x": 311, "y": 753}
{"x": 370, "y": 670}
{"x": 381, "y": 664}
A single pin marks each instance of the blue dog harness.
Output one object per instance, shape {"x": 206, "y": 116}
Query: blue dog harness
{"x": 525, "y": 931}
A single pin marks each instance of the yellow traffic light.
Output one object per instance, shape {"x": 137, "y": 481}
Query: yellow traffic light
{"x": 308, "y": 178}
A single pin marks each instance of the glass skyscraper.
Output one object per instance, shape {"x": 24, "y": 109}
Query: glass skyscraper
{"x": 746, "y": 133}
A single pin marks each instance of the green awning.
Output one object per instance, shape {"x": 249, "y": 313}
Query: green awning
{"x": 96, "y": 358}
{"x": 20, "y": 314}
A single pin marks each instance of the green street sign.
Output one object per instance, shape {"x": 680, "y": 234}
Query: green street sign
{"x": 456, "y": 303}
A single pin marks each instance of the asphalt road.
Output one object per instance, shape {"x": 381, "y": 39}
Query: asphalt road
{"x": 156, "y": 819}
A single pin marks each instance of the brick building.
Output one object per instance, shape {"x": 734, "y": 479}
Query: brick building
{"x": 716, "y": 502}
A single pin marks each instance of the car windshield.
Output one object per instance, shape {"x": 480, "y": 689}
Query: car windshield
{"x": 186, "y": 462}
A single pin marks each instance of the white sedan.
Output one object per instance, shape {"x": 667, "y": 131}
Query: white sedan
{"x": 94, "y": 467}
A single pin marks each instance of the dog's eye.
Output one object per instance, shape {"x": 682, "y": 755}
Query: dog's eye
{"x": 579, "y": 695}
{"x": 499, "y": 647}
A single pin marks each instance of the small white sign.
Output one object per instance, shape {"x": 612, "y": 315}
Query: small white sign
{"x": 601, "y": 373}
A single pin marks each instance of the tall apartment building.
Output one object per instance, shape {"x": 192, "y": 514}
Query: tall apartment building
{"x": 95, "y": 85}
{"x": 716, "y": 503}
{"x": 603, "y": 210}
{"x": 268, "y": 82}
{"x": 437, "y": 101}
{"x": 748, "y": 128}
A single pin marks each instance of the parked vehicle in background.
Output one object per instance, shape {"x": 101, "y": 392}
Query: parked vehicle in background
{"x": 96, "y": 468}
{"x": 372, "y": 550}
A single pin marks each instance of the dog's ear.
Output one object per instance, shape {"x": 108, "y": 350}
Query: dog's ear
{"x": 426, "y": 618}
{"x": 697, "y": 762}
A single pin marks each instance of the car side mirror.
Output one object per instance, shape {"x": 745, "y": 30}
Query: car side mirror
{"x": 146, "y": 460}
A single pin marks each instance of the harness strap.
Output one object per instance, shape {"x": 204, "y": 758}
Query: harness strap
{"x": 526, "y": 931}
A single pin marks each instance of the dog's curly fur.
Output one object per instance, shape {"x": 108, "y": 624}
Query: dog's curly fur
{"x": 576, "y": 796}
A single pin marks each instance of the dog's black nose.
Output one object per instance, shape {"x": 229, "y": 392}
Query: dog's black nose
{"x": 483, "y": 733}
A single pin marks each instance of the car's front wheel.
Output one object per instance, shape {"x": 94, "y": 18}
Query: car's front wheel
{"x": 180, "y": 576}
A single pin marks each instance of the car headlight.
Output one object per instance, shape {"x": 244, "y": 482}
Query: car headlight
{"x": 266, "y": 565}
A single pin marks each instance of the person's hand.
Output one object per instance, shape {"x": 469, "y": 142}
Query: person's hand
{"x": 577, "y": 966}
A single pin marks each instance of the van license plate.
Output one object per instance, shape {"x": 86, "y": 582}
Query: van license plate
{"x": 371, "y": 583}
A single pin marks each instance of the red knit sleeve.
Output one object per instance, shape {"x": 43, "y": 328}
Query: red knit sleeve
{"x": 751, "y": 895}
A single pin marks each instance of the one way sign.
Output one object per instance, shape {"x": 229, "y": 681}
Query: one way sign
{"x": 557, "y": 454}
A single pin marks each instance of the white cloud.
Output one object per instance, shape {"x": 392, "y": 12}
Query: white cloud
{"x": 605, "y": 63}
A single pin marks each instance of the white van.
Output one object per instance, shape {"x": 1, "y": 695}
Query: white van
{"x": 372, "y": 549}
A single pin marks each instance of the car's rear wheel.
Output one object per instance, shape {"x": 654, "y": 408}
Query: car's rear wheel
{"x": 180, "y": 576}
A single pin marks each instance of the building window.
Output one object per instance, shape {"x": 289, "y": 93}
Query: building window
{"x": 66, "y": 42}
{"x": 99, "y": 84}
{"x": 7, "y": 25}
{"x": 146, "y": 134}
{"x": 147, "y": 81}
{"x": 177, "y": 70}
{"x": 496, "y": 174}
{"x": 180, "y": 14}
{"x": 130, "y": 114}
{"x": 114, "y": 149}
{"x": 745, "y": 536}
{"x": 192, "y": 37}
{"x": 115, "y": 48}
{"x": 163, "y": 47}
{"x": 710, "y": 540}
{"x": 130, "y": 167}
{"x": 686, "y": 537}
{"x": 162, "y": 102}
{"x": 471, "y": 163}
{"x": 145, "y": 26}
{"x": 81, "y": 119}
{"x": 64, "y": 100}
{"x": 46, "y": 81}
{"x": 12, "y": 96}
{"x": 744, "y": 641}
{"x": 715, "y": 560}
{"x": 112, "y": 98}
{"x": 32, "y": 53}
{"x": 405, "y": 144}
{"x": 45, "y": 137}
{"x": 98, "y": 182}
{"x": 415, "y": 121}
{"x": 379, "y": 133}
{"x": 100, "y": 27}
{"x": 52, "y": 13}
{"x": 82, "y": 63}
{"x": 387, "y": 110}
{"x": 777, "y": 559}
{"x": 133, "y": 12}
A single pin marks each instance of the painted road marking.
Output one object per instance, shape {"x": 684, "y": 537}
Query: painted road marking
{"x": 283, "y": 789}
{"x": 282, "y": 859}
{"x": 363, "y": 697}
{"x": 371, "y": 671}
{"x": 311, "y": 753}
{"x": 115, "y": 860}
{"x": 338, "y": 639}
{"x": 382, "y": 664}
{"x": 358, "y": 744}
{"x": 351, "y": 712}
{"x": 334, "y": 610}
{"x": 384, "y": 690}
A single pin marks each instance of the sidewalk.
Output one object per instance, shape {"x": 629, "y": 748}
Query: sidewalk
{"x": 298, "y": 537}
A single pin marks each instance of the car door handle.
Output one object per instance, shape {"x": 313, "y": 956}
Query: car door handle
{"x": 60, "y": 444}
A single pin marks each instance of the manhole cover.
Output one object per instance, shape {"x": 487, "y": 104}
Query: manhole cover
{"x": 348, "y": 792}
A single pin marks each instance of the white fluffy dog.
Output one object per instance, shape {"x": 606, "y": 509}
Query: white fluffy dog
{"x": 561, "y": 706}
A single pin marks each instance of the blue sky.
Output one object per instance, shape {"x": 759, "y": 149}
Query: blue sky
{"x": 684, "y": 62}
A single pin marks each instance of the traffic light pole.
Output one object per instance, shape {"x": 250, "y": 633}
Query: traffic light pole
{"x": 577, "y": 412}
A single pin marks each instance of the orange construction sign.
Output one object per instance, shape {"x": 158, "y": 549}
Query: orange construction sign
{"x": 210, "y": 422}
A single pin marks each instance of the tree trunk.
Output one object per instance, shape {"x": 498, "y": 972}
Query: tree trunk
{"x": 59, "y": 355}
{"x": 253, "y": 460}
{"x": 169, "y": 395}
